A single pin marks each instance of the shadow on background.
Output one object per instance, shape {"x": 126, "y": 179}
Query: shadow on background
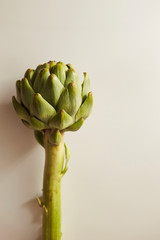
{"x": 15, "y": 142}
{"x": 36, "y": 212}
{"x": 15, "y": 139}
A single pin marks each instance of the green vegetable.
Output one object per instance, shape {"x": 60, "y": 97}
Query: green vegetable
{"x": 52, "y": 100}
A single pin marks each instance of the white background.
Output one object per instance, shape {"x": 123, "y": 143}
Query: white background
{"x": 112, "y": 188}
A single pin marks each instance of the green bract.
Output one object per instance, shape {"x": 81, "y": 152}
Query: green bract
{"x": 52, "y": 97}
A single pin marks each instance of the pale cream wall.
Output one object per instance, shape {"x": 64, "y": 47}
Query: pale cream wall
{"x": 112, "y": 188}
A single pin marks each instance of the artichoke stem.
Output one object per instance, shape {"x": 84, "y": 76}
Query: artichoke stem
{"x": 54, "y": 157}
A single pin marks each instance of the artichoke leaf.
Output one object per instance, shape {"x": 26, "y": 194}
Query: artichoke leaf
{"x": 27, "y": 93}
{"x": 85, "y": 109}
{"x": 67, "y": 152}
{"x": 41, "y": 79}
{"x": 38, "y": 69}
{"x": 27, "y": 124}
{"x": 41, "y": 109}
{"x": 37, "y": 124}
{"x": 20, "y": 110}
{"x": 72, "y": 76}
{"x": 67, "y": 157}
{"x": 61, "y": 120}
{"x": 60, "y": 71}
{"x": 46, "y": 65}
{"x": 29, "y": 74}
{"x": 55, "y": 137}
{"x": 70, "y": 99}
{"x": 75, "y": 126}
{"x": 69, "y": 65}
{"x": 18, "y": 90}
{"x": 39, "y": 136}
{"x": 85, "y": 86}
{"x": 51, "y": 64}
{"x": 52, "y": 90}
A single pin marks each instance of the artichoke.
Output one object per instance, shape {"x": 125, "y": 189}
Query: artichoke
{"x": 51, "y": 100}
{"x": 52, "y": 97}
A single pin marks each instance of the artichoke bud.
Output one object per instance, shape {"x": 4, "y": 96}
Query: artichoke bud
{"x": 52, "y": 90}
{"x": 55, "y": 137}
{"x": 41, "y": 79}
{"x": 29, "y": 74}
{"x": 60, "y": 71}
{"x": 27, "y": 93}
{"x": 41, "y": 109}
{"x": 18, "y": 90}
{"x": 85, "y": 86}
{"x": 52, "y": 97}
{"x": 61, "y": 120}
{"x": 86, "y": 107}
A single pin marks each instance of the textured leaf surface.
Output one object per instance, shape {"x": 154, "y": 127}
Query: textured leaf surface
{"x": 35, "y": 74}
{"x": 37, "y": 71}
{"x": 51, "y": 64}
{"x": 60, "y": 71}
{"x": 18, "y": 90}
{"x": 27, "y": 93}
{"x": 85, "y": 109}
{"x": 70, "y": 100}
{"x": 52, "y": 90}
{"x": 20, "y": 110}
{"x": 85, "y": 86}
{"x": 55, "y": 137}
{"x": 29, "y": 74}
{"x": 69, "y": 65}
{"x": 61, "y": 120}
{"x": 72, "y": 76}
{"x": 76, "y": 126}
{"x": 37, "y": 124}
{"x": 41, "y": 79}
{"x": 42, "y": 109}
